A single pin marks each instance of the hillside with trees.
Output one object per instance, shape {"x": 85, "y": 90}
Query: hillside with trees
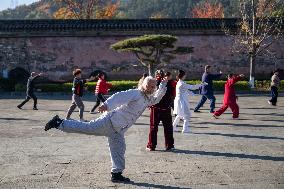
{"x": 134, "y": 9}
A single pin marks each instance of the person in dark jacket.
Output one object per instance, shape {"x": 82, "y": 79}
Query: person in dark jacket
{"x": 162, "y": 112}
{"x": 102, "y": 88}
{"x": 30, "y": 91}
{"x": 78, "y": 87}
{"x": 207, "y": 91}
{"x": 275, "y": 83}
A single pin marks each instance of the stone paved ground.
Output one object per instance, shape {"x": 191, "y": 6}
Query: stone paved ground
{"x": 224, "y": 153}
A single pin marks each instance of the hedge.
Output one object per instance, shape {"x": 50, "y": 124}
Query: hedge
{"x": 7, "y": 85}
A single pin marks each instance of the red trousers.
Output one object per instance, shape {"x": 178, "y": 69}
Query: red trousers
{"x": 234, "y": 107}
{"x": 165, "y": 116}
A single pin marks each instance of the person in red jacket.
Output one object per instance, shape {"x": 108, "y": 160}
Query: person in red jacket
{"x": 102, "y": 88}
{"x": 230, "y": 98}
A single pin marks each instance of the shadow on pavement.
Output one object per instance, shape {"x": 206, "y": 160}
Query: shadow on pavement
{"x": 239, "y": 124}
{"x": 223, "y": 154}
{"x": 239, "y": 136}
{"x": 15, "y": 119}
{"x": 276, "y": 120}
{"x": 261, "y": 108}
{"x": 149, "y": 185}
{"x": 269, "y": 114}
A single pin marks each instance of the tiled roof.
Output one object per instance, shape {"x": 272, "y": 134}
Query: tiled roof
{"x": 37, "y": 26}
{"x": 126, "y": 24}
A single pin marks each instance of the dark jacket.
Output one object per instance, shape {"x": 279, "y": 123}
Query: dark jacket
{"x": 167, "y": 99}
{"x": 78, "y": 86}
{"x": 208, "y": 78}
{"x": 30, "y": 84}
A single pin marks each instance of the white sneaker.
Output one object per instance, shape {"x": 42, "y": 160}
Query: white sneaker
{"x": 269, "y": 102}
{"x": 149, "y": 149}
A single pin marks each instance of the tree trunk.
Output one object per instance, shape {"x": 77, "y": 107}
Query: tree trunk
{"x": 252, "y": 70}
{"x": 253, "y": 50}
{"x": 151, "y": 69}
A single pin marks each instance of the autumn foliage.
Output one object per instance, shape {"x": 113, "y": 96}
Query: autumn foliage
{"x": 108, "y": 11}
{"x": 208, "y": 10}
{"x": 87, "y": 9}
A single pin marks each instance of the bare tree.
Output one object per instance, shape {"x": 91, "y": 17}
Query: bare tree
{"x": 257, "y": 29}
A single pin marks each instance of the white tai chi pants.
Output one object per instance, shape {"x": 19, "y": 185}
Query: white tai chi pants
{"x": 185, "y": 124}
{"x": 101, "y": 127}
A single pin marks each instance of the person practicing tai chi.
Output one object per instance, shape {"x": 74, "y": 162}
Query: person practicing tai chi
{"x": 122, "y": 110}
{"x": 275, "y": 83}
{"x": 102, "y": 88}
{"x": 181, "y": 102}
{"x": 162, "y": 112}
{"x": 207, "y": 91}
{"x": 78, "y": 87}
{"x": 230, "y": 98}
{"x": 30, "y": 90}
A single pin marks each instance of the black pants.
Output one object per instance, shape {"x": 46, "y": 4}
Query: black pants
{"x": 28, "y": 97}
{"x": 274, "y": 95}
{"x": 100, "y": 98}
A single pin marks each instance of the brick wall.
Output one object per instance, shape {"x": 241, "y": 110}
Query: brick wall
{"x": 57, "y": 56}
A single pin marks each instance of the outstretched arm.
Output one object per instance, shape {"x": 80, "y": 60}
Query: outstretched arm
{"x": 193, "y": 87}
{"x": 92, "y": 78}
{"x": 37, "y": 76}
{"x": 216, "y": 76}
{"x": 237, "y": 78}
{"x": 158, "y": 95}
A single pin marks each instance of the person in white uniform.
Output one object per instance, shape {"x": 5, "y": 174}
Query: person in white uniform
{"x": 122, "y": 110}
{"x": 181, "y": 102}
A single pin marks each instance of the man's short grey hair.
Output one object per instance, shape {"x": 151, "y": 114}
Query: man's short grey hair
{"x": 143, "y": 84}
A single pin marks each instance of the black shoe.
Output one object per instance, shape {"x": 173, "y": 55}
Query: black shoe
{"x": 117, "y": 177}
{"x": 20, "y": 107}
{"x": 53, "y": 123}
{"x": 196, "y": 111}
{"x": 35, "y": 108}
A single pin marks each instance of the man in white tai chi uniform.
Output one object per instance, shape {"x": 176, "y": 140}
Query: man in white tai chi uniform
{"x": 123, "y": 109}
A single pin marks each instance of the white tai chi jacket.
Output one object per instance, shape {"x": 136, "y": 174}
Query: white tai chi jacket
{"x": 181, "y": 102}
{"x": 125, "y": 107}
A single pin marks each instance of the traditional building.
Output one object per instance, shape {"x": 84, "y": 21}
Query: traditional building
{"x": 58, "y": 46}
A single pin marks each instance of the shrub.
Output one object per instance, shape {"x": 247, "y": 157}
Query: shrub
{"x": 219, "y": 85}
{"x": 7, "y": 84}
{"x": 52, "y": 87}
{"x": 20, "y": 87}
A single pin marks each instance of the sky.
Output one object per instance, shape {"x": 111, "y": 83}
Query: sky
{"x": 4, "y": 4}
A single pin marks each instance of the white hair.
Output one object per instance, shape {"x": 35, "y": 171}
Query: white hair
{"x": 142, "y": 85}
